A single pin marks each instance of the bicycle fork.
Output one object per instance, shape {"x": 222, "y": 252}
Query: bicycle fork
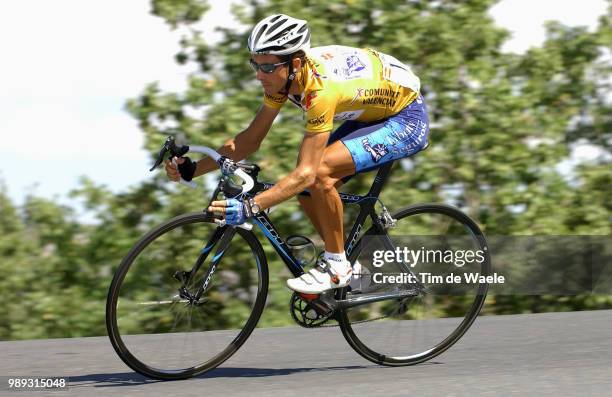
{"x": 221, "y": 237}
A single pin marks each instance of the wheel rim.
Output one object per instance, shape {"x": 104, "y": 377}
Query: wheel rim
{"x": 430, "y": 324}
{"x": 160, "y": 333}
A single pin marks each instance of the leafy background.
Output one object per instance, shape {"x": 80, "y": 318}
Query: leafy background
{"x": 501, "y": 123}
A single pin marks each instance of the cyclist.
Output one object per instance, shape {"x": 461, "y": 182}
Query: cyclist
{"x": 385, "y": 119}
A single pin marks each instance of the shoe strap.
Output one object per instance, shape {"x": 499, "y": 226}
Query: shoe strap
{"x": 324, "y": 267}
{"x": 315, "y": 274}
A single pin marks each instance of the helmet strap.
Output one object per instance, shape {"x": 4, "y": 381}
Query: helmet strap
{"x": 290, "y": 79}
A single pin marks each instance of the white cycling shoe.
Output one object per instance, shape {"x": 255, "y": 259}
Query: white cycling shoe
{"x": 325, "y": 276}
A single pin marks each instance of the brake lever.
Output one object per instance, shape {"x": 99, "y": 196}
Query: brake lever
{"x": 162, "y": 153}
{"x": 227, "y": 165}
{"x": 169, "y": 146}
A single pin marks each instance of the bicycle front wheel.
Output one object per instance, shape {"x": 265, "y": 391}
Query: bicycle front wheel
{"x": 438, "y": 304}
{"x": 156, "y": 322}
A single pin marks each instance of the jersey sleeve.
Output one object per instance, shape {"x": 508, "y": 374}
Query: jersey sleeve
{"x": 320, "y": 109}
{"x": 274, "y": 101}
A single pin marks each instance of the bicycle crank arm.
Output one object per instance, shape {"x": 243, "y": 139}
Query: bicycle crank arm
{"x": 374, "y": 297}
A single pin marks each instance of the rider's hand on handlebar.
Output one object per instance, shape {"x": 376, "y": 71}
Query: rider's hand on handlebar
{"x": 172, "y": 169}
{"x": 235, "y": 212}
{"x": 184, "y": 166}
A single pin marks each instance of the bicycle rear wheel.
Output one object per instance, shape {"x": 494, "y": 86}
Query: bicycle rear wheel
{"x": 153, "y": 321}
{"x": 417, "y": 328}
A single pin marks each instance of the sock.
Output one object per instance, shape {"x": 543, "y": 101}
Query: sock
{"x": 334, "y": 257}
{"x": 337, "y": 261}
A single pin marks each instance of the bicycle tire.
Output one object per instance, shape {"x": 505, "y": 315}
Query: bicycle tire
{"x": 432, "y": 351}
{"x": 115, "y": 332}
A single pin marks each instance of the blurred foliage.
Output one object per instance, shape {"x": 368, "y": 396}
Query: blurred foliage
{"x": 501, "y": 124}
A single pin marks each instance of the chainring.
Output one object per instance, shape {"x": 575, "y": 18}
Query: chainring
{"x": 304, "y": 314}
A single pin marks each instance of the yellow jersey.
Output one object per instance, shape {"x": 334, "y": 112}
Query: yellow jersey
{"x": 345, "y": 83}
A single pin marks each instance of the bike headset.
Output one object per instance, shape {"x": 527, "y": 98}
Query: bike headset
{"x": 280, "y": 35}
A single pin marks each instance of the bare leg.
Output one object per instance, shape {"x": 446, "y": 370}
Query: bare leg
{"x": 310, "y": 209}
{"x": 324, "y": 206}
{"x": 325, "y": 209}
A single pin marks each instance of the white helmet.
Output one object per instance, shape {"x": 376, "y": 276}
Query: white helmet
{"x": 279, "y": 34}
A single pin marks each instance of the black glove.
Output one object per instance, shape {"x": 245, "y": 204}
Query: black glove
{"x": 187, "y": 169}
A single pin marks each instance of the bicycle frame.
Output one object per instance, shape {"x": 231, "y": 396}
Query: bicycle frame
{"x": 366, "y": 204}
{"x": 225, "y": 233}
{"x": 330, "y": 304}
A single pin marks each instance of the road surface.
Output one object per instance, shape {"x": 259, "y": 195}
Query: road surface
{"x": 552, "y": 354}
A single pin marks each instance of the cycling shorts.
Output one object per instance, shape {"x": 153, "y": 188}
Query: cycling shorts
{"x": 376, "y": 143}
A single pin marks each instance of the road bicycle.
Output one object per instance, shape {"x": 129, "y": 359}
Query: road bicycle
{"x": 189, "y": 293}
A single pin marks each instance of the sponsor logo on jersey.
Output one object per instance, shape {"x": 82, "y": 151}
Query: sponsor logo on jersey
{"x": 389, "y": 102}
{"x": 315, "y": 72}
{"x": 317, "y": 120}
{"x": 354, "y": 64}
{"x": 348, "y": 115}
{"x": 375, "y": 96}
{"x": 386, "y": 92}
{"x": 347, "y": 64}
{"x": 311, "y": 95}
{"x": 358, "y": 94}
{"x": 273, "y": 98}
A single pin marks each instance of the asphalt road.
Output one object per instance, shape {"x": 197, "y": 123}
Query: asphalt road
{"x": 555, "y": 354}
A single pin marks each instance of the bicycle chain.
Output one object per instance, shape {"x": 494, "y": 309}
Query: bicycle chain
{"x": 330, "y": 317}
{"x": 324, "y": 325}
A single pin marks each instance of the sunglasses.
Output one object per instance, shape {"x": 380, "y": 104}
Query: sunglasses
{"x": 265, "y": 67}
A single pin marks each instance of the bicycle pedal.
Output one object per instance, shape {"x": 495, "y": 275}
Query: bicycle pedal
{"x": 309, "y": 297}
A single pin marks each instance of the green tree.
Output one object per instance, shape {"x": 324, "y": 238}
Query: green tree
{"x": 500, "y": 125}
{"x": 500, "y": 122}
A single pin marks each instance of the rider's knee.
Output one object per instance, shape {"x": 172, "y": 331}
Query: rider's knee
{"x": 323, "y": 180}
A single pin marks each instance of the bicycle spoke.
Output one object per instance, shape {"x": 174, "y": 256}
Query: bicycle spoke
{"x": 411, "y": 330}
{"x": 168, "y": 332}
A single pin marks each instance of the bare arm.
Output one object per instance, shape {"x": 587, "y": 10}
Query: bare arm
{"x": 311, "y": 153}
{"x": 245, "y": 143}
{"x": 238, "y": 148}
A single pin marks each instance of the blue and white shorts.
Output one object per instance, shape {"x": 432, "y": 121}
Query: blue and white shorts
{"x": 376, "y": 143}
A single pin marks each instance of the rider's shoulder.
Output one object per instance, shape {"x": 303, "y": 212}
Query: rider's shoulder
{"x": 328, "y": 51}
